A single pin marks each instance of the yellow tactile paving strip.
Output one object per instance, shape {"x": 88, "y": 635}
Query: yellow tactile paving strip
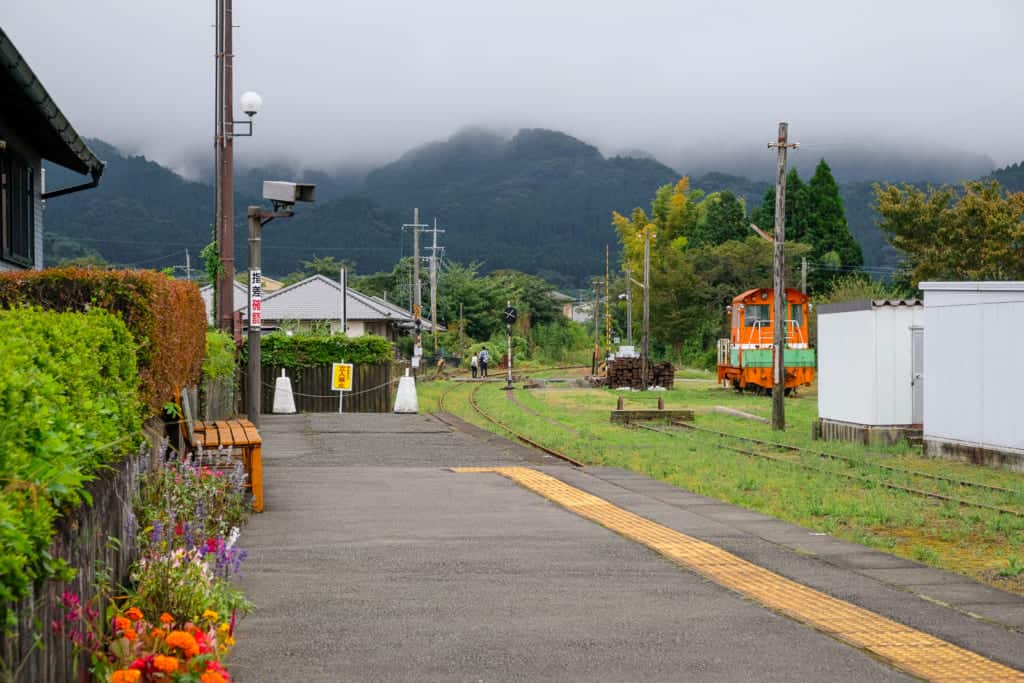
{"x": 905, "y": 648}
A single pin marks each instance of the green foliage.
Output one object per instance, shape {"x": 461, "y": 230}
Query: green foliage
{"x": 973, "y": 234}
{"x": 219, "y": 362}
{"x": 484, "y": 298}
{"x": 1014, "y": 567}
{"x": 306, "y": 350}
{"x": 724, "y": 218}
{"x": 69, "y": 403}
{"x": 815, "y": 216}
{"x": 560, "y": 341}
{"x": 166, "y": 317}
{"x": 327, "y": 266}
{"x": 212, "y": 264}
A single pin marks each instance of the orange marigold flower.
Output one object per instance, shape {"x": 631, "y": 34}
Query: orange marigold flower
{"x": 166, "y": 618}
{"x": 212, "y": 677}
{"x": 126, "y": 676}
{"x": 165, "y": 664}
{"x": 130, "y": 634}
{"x": 185, "y": 641}
{"x": 158, "y": 633}
{"x": 122, "y": 624}
{"x": 134, "y": 613}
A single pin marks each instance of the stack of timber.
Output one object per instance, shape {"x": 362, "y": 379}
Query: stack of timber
{"x": 628, "y": 372}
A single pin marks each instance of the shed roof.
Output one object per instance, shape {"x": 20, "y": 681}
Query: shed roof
{"x": 32, "y": 112}
{"x": 968, "y": 286}
{"x": 866, "y": 305}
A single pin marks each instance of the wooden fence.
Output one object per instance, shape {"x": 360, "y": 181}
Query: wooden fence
{"x": 372, "y": 389}
{"x": 81, "y": 539}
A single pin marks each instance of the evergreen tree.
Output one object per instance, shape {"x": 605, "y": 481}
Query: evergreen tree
{"x": 828, "y": 231}
{"x": 725, "y": 218}
{"x": 797, "y": 217}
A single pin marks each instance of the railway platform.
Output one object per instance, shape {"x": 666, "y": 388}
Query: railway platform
{"x": 402, "y": 548}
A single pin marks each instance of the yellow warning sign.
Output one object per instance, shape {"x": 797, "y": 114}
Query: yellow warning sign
{"x": 341, "y": 376}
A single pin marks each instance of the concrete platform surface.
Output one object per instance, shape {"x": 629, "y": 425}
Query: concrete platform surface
{"x": 375, "y": 562}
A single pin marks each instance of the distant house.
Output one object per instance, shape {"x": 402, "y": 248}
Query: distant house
{"x": 315, "y": 303}
{"x": 566, "y": 303}
{"x": 32, "y": 129}
{"x": 241, "y": 300}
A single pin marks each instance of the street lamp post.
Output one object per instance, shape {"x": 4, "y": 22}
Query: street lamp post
{"x": 283, "y": 196}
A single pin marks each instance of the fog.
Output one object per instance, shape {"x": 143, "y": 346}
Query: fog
{"x": 350, "y": 84}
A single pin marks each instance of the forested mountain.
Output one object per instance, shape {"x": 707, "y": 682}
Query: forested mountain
{"x": 540, "y": 202}
{"x": 1011, "y": 177}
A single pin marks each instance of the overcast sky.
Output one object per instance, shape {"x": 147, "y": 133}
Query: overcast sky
{"x": 355, "y": 82}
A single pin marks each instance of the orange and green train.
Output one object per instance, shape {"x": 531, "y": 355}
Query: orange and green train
{"x": 745, "y": 358}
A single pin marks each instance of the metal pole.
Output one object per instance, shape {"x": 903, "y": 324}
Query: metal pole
{"x": 417, "y": 301}
{"x": 645, "y": 357}
{"x": 779, "y": 284}
{"x": 255, "y": 370}
{"x": 629, "y": 307}
{"x": 433, "y": 287}
{"x": 344, "y": 300}
{"x": 803, "y": 274}
{"x": 607, "y": 305}
{"x": 597, "y": 343}
{"x": 226, "y": 176}
{"x": 508, "y": 337}
{"x": 218, "y": 135}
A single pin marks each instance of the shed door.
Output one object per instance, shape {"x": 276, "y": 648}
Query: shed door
{"x": 917, "y": 374}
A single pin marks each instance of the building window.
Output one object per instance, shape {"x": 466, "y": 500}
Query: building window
{"x": 17, "y": 210}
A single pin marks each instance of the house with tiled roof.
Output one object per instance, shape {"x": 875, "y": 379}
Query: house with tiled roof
{"x": 315, "y": 303}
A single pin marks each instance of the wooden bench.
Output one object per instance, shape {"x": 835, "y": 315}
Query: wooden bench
{"x": 236, "y": 434}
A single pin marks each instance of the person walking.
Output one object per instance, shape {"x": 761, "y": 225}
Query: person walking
{"x": 473, "y": 365}
{"x": 485, "y": 358}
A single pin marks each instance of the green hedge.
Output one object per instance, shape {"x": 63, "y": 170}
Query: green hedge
{"x": 166, "y": 317}
{"x": 309, "y": 350}
{"x": 68, "y": 406}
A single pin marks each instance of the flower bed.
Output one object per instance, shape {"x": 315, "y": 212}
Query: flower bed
{"x": 176, "y": 622}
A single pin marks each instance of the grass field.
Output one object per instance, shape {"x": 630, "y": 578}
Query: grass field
{"x": 986, "y": 545}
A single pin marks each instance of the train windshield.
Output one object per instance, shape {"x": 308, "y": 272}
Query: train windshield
{"x": 796, "y": 314}
{"x": 757, "y": 314}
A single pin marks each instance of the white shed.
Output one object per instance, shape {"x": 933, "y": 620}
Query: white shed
{"x": 974, "y": 369}
{"x": 869, "y": 369}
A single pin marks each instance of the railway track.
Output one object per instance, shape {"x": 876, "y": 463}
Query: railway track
{"x": 875, "y": 481}
{"x": 524, "y": 439}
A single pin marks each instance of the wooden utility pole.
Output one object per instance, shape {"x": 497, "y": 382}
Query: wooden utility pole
{"x": 779, "y": 314}
{"x": 645, "y": 355}
{"x": 803, "y": 274}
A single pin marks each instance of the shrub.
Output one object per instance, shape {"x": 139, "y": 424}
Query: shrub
{"x": 220, "y": 356}
{"x": 166, "y": 317}
{"x": 308, "y": 350}
{"x": 69, "y": 404}
{"x": 562, "y": 340}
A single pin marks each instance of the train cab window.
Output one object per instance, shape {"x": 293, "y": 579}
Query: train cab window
{"x": 796, "y": 314}
{"x": 757, "y": 314}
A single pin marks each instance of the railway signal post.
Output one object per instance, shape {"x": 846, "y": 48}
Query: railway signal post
{"x": 780, "y": 323}
{"x": 510, "y": 318}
